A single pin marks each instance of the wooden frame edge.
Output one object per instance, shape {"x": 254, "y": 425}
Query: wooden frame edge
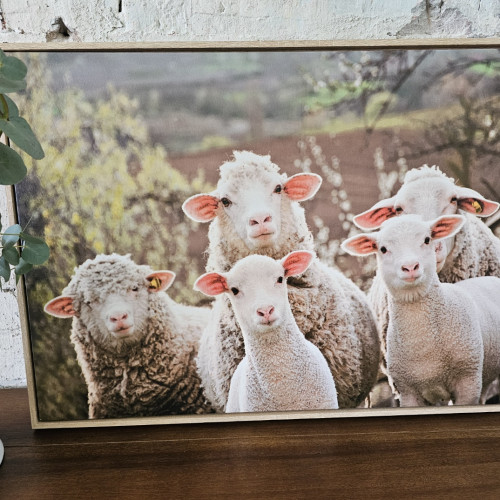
{"x": 262, "y": 417}
{"x": 23, "y": 317}
{"x": 355, "y": 44}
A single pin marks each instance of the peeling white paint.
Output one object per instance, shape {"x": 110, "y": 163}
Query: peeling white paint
{"x": 199, "y": 20}
{"x": 32, "y": 21}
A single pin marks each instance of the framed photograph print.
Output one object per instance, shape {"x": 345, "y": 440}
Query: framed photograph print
{"x": 261, "y": 232}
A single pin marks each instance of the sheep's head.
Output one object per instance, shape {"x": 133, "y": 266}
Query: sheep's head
{"x": 405, "y": 249}
{"x": 428, "y": 192}
{"x": 250, "y": 195}
{"x": 110, "y": 296}
{"x": 256, "y": 287}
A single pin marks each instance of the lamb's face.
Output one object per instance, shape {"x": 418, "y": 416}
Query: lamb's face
{"x": 258, "y": 293}
{"x": 256, "y": 286}
{"x": 110, "y": 297}
{"x": 405, "y": 249}
{"x": 406, "y": 253}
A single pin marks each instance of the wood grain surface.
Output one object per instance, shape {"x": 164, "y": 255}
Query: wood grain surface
{"x": 359, "y": 44}
{"x": 426, "y": 456}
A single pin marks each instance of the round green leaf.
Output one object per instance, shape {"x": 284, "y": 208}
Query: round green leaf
{"x": 4, "y": 269}
{"x": 12, "y": 167}
{"x": 7, "y": 85}
{"x": 19, "y": 131}
{"x": 12, "y": 67}
{"x": 35, "y": 250}
{"x": 23, "y": 267}
{"x": 11, "y": 255}
{"x": 11, "y": 235}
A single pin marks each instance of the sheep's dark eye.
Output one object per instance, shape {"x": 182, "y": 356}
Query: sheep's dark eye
{"x": 280, "y": 279}
{"x": 135, "y": 288}
{"x": 235, "y": 290}
{"x": 226, "y": 202}
{"x": 454, "y": 199}
{"x": 398, "y": 210}
{"x": 427, "y": 240}
{"x": 383, "y": 249}
{"x": 278, "y": 188}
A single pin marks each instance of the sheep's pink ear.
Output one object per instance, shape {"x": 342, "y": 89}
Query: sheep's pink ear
{"x": 446, "y": 226}
{"x": 60, "y": 307}
{"x": 160, "y": 280}
{"x": 297, "y": 262}
{"x": 360, "y": 245}
{"x": 201, "y": 207}
{"x": 471, "y": 201}
{"x": 375, "y": 216}
{"x": 301, "y": 187}
{"x": 211, "y": 284}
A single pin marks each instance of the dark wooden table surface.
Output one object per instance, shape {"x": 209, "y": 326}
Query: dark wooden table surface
{"x": 436, "y": 456}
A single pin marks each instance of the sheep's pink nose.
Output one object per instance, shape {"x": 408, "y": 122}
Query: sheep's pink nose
{"x": 115, "y": 318}
{"x": 265, "y": 312}
{"x": 260, "y": 219}
{"x": 410, "y": 268}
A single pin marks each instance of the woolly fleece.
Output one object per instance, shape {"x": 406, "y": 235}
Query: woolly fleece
{"x": 443, "y": 339}
{"x": 156, "y": 375}
{"x": 281, "y": 370}
{"x": 329, "y": 309}
{"x": 476, "y": 253}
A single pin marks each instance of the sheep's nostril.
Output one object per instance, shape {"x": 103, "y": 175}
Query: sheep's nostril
{"x": 408, "y": 268}
{"x": 260, "y": 219}
{"x": 265, "y": 312}
{"x": 118, "y": 317}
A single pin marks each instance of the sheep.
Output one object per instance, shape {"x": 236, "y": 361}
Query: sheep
{"x": 443, "y": 339}
{"x": 473, "y": 252}
{"x": 281, "y": 370}
{"x": 136, "y": 346}
{"x": 255, "y": 210}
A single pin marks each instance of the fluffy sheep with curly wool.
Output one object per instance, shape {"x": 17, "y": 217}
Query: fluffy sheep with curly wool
{"x": 255, "y": 209}
{"x": 443, "y": 339}
{"x": 136, "y": 346}
{"x": 472, "y": 252}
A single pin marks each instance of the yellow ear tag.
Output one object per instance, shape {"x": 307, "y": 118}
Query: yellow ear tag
{"x": 155, "y": 283}
{"x": 477, "y": 206}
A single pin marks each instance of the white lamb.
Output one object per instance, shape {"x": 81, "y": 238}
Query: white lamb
{"x": 255, "y": 209}
{"x": 281, "y": 370}
{"x": 443, "y": 340}
{"x": 136, "y": 346}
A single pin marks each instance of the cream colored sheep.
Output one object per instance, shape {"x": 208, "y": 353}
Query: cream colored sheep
{"x": 136, "y": 346}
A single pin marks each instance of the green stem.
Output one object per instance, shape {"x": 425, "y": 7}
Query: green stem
{"x": 5, "y": 114}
